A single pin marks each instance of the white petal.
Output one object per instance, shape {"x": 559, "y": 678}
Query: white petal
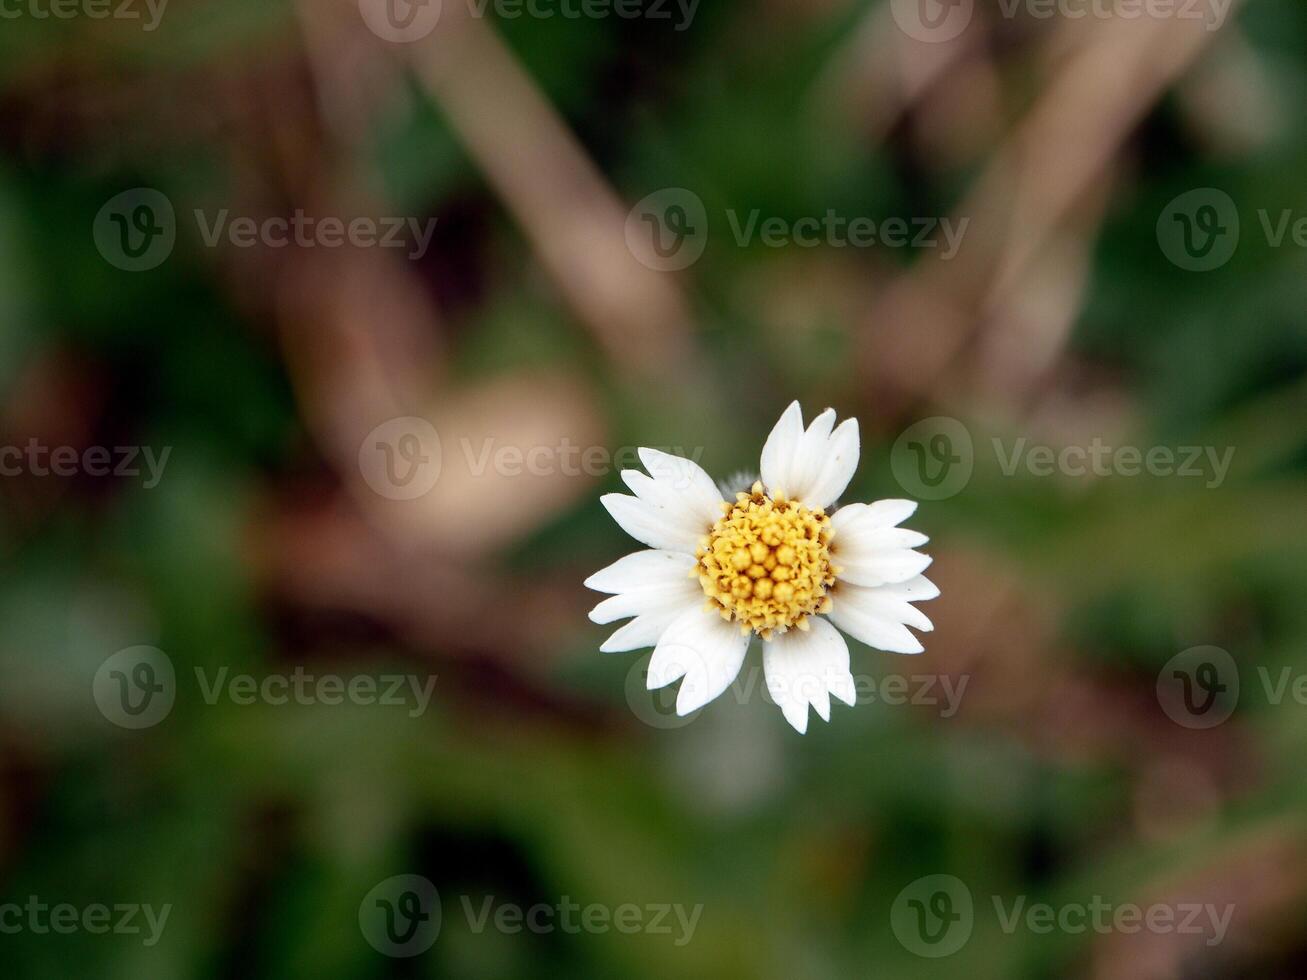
{"x": 889, "y": 513}
{"x": 876, "y": 617}
{"x": 780, "y": 449}
{"x": 644, "y": 602}
{"x": 653, "y": 586}
{"x": 811, "y": 456}
{"x": 643, "y": 631}
{"x": 654, "y": 526}
{"x": 869, "y": 550}
{"x": 864, "y": 519}
{"x": 861, "y": 537}
{"x": 674, "y": 503}
{"x": 642, "y": 570}
{"x": 704, "y": 649}
{"x": 871, "y": 569}
{"x": 695, "y": 489}
{"x": 917, "y": 589}
{"x": 839, "y": 461}
{"x": 812, "y": 466}
{"x": 806, "y": 668}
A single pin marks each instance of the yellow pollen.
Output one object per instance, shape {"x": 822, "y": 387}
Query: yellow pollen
{"x": 766, "y": 564}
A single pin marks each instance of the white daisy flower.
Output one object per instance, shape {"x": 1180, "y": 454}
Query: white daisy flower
{"x": 773, "y": 563}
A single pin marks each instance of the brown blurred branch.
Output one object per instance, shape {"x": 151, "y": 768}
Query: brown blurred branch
{"x": 573, "y": 218}
{"x": 1033, "y": 184}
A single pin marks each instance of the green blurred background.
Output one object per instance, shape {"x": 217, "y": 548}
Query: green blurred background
{"x": 541, "y": 771}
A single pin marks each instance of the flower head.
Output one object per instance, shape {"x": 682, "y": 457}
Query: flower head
{"x": 772, "y": 562}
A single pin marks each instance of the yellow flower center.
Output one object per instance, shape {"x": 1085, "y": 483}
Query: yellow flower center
{"x": 766, "y": 563}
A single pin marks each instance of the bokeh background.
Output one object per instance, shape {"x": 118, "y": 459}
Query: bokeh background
{"x": 541, "y": 771}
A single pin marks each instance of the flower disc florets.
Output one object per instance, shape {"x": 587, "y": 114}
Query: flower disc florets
{"x": 766, "y": 563}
